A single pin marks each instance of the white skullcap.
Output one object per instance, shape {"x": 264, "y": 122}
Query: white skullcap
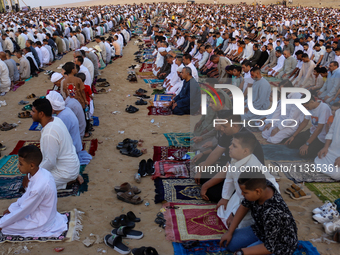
{"x": 168, "y": 49}
{"x": 180, "y": 68}
{"x": 90, "y": 49}
{"x": 161, "y": 49}
{"x": 56, "y": 100}
{"x": 56, "y": 77}
{"x": 84, "y": 48}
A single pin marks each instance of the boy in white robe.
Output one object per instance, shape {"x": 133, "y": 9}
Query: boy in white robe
{"x": 35, "y": 213}
{"x": 241, "y": 152}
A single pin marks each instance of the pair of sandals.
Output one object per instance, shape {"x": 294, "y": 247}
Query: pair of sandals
{"x": 104, "y": 84}
{"x": 128, "y": 194}
{"x": 129, "y": 148}
{"x": 160, "y": 220}
{"x": 141, "y": 95}
{"x": 128, "y": 220}
{"x": 132, "y": 77}
{"x": 5, "y": 126}
{"x": 146, "y": 167}
{"x": 131, "y": 109}
{"x": 102, "y": 91}
{"x": 141, "y": 102}
{"x": 24, "y": 115}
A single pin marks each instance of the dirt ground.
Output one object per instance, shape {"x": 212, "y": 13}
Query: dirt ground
{"x": 109, "y": 168}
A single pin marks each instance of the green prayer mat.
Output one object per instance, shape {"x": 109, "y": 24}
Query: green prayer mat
{"x": 325, "y": 191}
{"x": 9, "y": 165}
{"x": 178, "y": 139}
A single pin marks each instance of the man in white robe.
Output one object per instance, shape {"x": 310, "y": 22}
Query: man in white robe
{"x": 280, "y": 61}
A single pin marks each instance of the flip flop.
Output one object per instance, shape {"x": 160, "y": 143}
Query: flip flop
{"x": 122, "y": 220}
{"x": 131, "y": 109}
{"x": 300, "y": 195}
{"x": 31, "y": 96}
{"x": 126, "y": 232}
{"x": 150, "y": 167}
{"x": 131, "y": 152}
{"x": 24, "y": 115}
{"x": 141, "y": 102}
{"x": 129, "y": 197}
{"x": 140, "y": 90}
{"x": 142, "y": 168}
{"x": 22, "y": 102}
{"x": 27, "y": 108}
{"x": 126, "y": 187}
{"x": 144, "y": 251}
{"x": 115, "y": 242}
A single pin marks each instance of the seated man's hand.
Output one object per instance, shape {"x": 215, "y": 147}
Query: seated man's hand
{"x": 289, "y": 140}
{"x": 197, "y": 157}
{"x": 197, "y": 139}
{"x": 223, "y": 202}
{"x": 198, "y": 177}
{"x": 323, "y": 152}
{"x": 6, "y": 212}
{"x": 230, "y": 220}
{"x": 274, "y": 131}
{"x": 174, "y": 105}
{"x": 204, "y": 190}
{"x": 304, "y": 149}
{"x": 207, "y": 144}
{"x": 226, "y": 238}
{"x": 268, "y": 126}
{"x": 337, "y": 162}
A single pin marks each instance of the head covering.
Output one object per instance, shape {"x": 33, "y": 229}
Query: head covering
{"x": 161, "y": 49}
{"x": 56, "y": 77}
{"x": 56, "y": 100}
{"x": 180, "y": 68}
{"x": 84, "y": 48}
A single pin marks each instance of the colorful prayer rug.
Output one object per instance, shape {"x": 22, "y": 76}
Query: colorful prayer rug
{"x": 72, "y": 234}
{"x": 159, "y": 111}
{"x": 90, "y": 146}
{"x": 213, "y": 248}
{"x": 178, "y": 139}
{"x": 178, "y": 191}
{"x": 280, "y": 152}
{"x": 160, "y": 104}
{"x": 12, "y": 188}
{"x": 192, "y": 222}
{"x": 9, "y": 165}
{"x": 19, "y": 84}
{"x": 164, "y": 152}
{"x": 153, "y": 81}
{"x": 36, "y": 126}
{"x": 145, "y": 68}
{"x": 301, "y": 172}
{"x": 325, "y": 191}
{"x": 171, "y": 169}
{"x": 163, "y": 97}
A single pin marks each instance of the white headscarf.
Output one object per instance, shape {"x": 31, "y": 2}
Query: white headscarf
{"x": 56, "y": 100}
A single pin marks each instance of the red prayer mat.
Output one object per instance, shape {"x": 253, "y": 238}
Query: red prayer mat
{"x": 159, "y": 110}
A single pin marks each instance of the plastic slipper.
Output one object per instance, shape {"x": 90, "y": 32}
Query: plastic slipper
{"x": 126, "y": 150}
{"x": 5, "y": 126}
{"x": 132, "y": 217}
{"x": 126, "y": 232}
{"x": 140, "y": 90}
{"x": 27, "y": 108}
{"x": 102, "y": 91}
{"x": 128, "y": 140}
{"x": 141, "y": 102}
{"x": 129, "y": 197}
{"x": 126, "y": 187}
{"x": 144, "y": 97}
{"x": 122, "y": 220}
{"x": 144, "y": 251}
{"x": 104, "y": 84}
{"x": 125, "y": 145}
{"x": 142, "y": 168}
{"x": 115, "y": 242}
{"x": 22, "y": 102}
{"x": 24, "y": 115}
{"x": 131, "y": 109}
{"x": 299, "y": 195}
{"x": 149, "y": 167}
{"x": 2, "y": 147}
{"x": 31, "y": 96}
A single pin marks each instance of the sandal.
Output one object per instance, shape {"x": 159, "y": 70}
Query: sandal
{"x": 144, "y": 251}
{"x": 27, "y": 108}
{"x": 126, "y": 187}
{"x": 101, "y": 91}
{"x": 126, "y": 145}
{"x": 293, "y": 188}
{"x": 129, "y": 197}
{"x": 132, "y": 217}
{"x": 90, "y": 134}
{"x": 126, "y": 232}
{"x": 150, "y": 167}
{"x": 144, "y": 97}
{"x": 31, "y": 96}
{"x": 141, "y": 102}
{"x": 115, "y": 242}
{"x": 140, "y": 90}
{"x": 104, "y": 84}
{"x": 2, "y": 147}
{"x": 5, "y": 126}
{"x": 131, "y": 109}
{"x": 24, "y": 115}
{"x": 133, "y": 78}
{"x": 22, "y": 102}
{"x": 299, "y": 195}
{"x": 131, "y": 152}
{"x": 142, "y": 168}
{"x": 122, "y": 220}
{"x": 336, "y": 236}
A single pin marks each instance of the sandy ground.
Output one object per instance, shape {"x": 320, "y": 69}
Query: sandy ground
{"x": 109, "y": 168}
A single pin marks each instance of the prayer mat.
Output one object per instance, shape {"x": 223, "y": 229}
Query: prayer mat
{"x": 90, "y": 146}
{"x": 186, "y": 222}
{"x": 163, "y": 97}
{"x": 72, "y": 234}
{"x": 203, "y": 248}
{"x": 145, "y": 68}
{"x": 171, "y": 169}
{"x": 19, "y": 84}
{"x": 95, "y": 121}
{"x": 160, "y": 104}
{"x": 153, "y": 81}
{"x": 164, "y": 152}
{"x": 213, "y": 248}
{"x": 325, "y": 191}
{"x": 9, "y": 165}
{"x": 301, "y": 172}
{"x": 272, "y": 79}
{"x": 280, "y": 152}
{"x": 12, "y": 187}
{"x": 178, "y": 191}
{"x": 178, "y": 139}
{"x": 36, "y": 126}
{"x": 146, "y": 75}
{"x": 159, "y": 110}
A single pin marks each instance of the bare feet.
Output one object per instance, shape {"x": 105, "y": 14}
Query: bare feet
{"x": 80, "y": 179}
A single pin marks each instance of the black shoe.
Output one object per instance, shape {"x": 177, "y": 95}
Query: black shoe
{"x": 142, "y": 168}
{"x": 141, "y": 102}
{"x": 144, "y": 251}
{"x": 101, "y": 80}
{"x": 149, "y": 167}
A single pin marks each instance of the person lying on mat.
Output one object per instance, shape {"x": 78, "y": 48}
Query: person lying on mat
{"x": 188, "y": 100}
{"x": 35, "y": 213}
{"x": 59, "y": 153}
{"x": 274, "y": 230}
{"x": 212, "y": 182}
{"x": 311, "y": 141}
{"x": 242, "y": 158}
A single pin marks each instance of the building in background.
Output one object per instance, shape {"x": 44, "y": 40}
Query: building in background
{"x": 9, "y": 5}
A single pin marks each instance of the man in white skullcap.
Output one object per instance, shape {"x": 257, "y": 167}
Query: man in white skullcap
{"x": 159, "y": 61}
{"x": 57, "y": 79}
{"x": 71, "y": 122}
{"x": 177, "y": 84}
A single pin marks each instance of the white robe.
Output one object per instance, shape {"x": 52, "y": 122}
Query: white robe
{"x": 89, "y": 65}
{"x": 279, "y": 65}
{"x": 193, "y": 70}
{"x": 230, "y": 185}
{"x": 5, "y": 80}
{"x": 35, "y": 213}
{"x": 84, "y": 70}
{"x": 327, "y": 163}
{"x": 59, "y": 154}
{"x": 45, "y": 55}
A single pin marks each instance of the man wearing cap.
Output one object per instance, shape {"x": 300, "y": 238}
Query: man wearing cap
{"x": 58, "y": 80}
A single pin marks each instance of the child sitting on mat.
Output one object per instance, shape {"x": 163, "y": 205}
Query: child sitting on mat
{"x": 35, "y": 213}
{"x": 274, "y": 230}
